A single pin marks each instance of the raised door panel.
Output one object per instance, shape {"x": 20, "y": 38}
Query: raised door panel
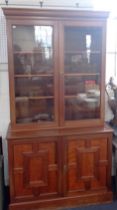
{"x": 87, "y": 164}
{"x": 35, "y": 170}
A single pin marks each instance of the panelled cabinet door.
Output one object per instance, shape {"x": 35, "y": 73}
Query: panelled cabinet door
{"x": 34, "y": 60}
{"x": 36, "y": 169}
{"x": 86, "y": 165}
{"x": 82, "y": 73}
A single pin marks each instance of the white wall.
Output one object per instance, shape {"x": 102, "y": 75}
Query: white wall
{"x": 4, "y": 113}
{"x": 4, "y": 91}
{"x": 66, "y": 3}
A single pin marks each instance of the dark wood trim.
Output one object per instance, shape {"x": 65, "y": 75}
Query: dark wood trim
{"x": 9, "y": 12}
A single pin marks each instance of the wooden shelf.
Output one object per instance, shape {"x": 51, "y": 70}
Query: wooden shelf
{"x": 81, "y": 74}
{"x": 33, "y": 75}
{"x": 82, "y": 52}
{"x": 30, "y": 52}
{"x": 20, "y": 98}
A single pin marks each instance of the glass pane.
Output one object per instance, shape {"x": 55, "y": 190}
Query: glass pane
{"x": 33, "y": 49}
{"x": 82, "y": 65}
{"x": 34, "y": 73}
{"x": 30, "y": 110}
{"x": 34, "y": 86}
{"x": 81, "y": 108}
{"x": 82, "y": 97}
{"x": 82, "y": 50}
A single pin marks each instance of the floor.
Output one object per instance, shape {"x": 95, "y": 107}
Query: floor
{"x": 6, "y": 196}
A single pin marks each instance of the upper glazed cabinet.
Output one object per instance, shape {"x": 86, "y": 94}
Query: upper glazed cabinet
{"x": 56, "y": 68}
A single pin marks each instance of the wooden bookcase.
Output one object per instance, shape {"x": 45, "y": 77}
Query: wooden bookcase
{"x": 58, "y": 145}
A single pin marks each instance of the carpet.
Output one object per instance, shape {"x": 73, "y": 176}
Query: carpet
{"x": 110, "y": 206}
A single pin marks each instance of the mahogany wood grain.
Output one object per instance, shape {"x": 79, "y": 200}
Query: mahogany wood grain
{"x": 59, "y": 163}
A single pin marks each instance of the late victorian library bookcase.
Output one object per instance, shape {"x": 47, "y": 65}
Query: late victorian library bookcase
{"x": 59, "y": 148}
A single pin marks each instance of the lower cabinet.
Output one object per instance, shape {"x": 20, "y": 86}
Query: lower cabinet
{"x": 59, "y": 171}
{"x": 87, "y": 164}
{"x": 36, "y": 169}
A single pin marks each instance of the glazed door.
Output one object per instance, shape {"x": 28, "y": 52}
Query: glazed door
{"x": 82, "y": 74}
{"x": 35, "y": 73}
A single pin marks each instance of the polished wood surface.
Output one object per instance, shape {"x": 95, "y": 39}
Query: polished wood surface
{"x": 36, "y": 169}
{"x": 63, "y": 105}
{"x": 59, "y": 152}
{"x": 66, "y": 168}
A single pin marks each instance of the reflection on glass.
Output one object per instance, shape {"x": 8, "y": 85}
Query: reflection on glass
{"x": 34, "y": 99}
{"x": 34, "y": 86}
{"x": 82, "y": 50}
{"x": 43, "y": 37}
{"x": 33, "y": 49}
{"x": 83, "y": 106}
{"x": 88, "y": 47}
{"x": 33, "y": 67}
{"x": 81, "y": 84}
{"x": 82, "y": 64}
{"x": 82, "y": 97}
{"x": 30, "y": 110}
